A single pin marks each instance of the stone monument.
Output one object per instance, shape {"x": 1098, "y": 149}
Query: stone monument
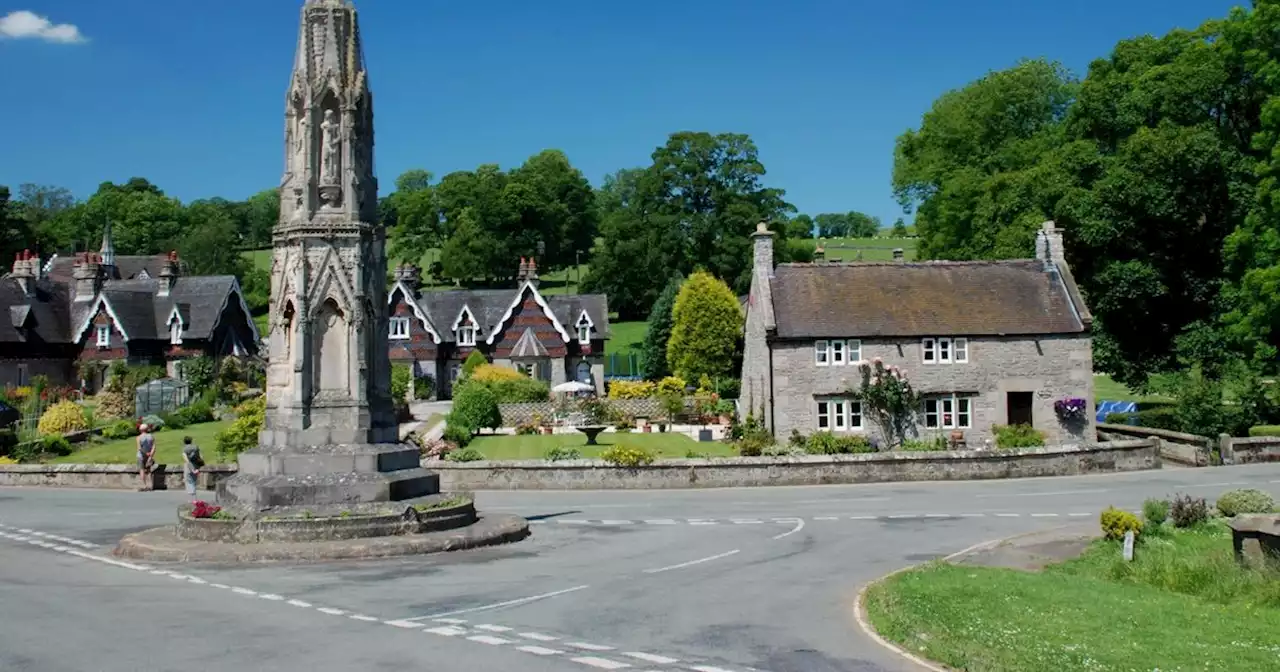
{"x": 330, "y": 435}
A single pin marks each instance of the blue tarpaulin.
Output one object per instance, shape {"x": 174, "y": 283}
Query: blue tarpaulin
{"x": 1106, "y": 408}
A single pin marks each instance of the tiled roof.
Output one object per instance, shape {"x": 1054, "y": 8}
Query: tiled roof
{"x": 489, "y": 305}
{"x": 934, "y": 298}
{"x": 48, "y": 314}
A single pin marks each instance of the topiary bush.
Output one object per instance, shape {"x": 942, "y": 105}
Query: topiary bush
{"x": 401, "y": 378}
{"x": 1235, "y": 502}
{"x": 196, "y": 413}
{"x": 627, "y": 456}
{"x": 467, "y": 454}
{"x": 475, "y": 407}
{"x": 457, "y": 434}
{"x": 1115, "y": 523}
{"x": 473, "y": 360}
{"x": 1012, "y": 437}
{"x": 672, "y": 385}
{"x": 62, "y": 418}
{"x": 1188, "y": 511}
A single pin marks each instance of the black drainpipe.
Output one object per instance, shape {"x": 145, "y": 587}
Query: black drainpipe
{"x": 773, "y": 428}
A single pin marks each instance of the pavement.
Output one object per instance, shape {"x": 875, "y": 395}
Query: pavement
{"x": 693, "y": 581}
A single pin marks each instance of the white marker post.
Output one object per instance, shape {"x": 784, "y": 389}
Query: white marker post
{"x": 1128, "y": 546}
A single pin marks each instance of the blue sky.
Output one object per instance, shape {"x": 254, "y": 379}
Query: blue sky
{"x": 191, "y": 94}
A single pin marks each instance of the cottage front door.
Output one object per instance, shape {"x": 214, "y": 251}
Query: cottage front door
{"x": 1019, "y": 406}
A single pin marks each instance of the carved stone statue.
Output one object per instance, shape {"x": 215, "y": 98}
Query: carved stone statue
{"x": 331, "y": 143}
{"x": 299, "y": 206}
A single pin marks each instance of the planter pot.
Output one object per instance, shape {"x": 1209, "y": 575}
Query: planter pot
{"x": 957, "y": 436}
{"x": 547, "y": 430}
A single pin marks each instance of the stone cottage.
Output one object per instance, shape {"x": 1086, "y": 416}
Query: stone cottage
{"x": 103, "y": 307}
{"x": 553, "y": 338}
{"x": 985, "y": 343}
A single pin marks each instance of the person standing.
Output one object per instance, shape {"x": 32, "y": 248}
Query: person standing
{"x": 191, "y": 464}
{"x": 146, "y": 457}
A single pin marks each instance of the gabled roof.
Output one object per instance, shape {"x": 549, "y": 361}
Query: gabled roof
{"x": 935, "y": 298}
{"x": 492, "y": 307}
{"x": 127, "y": 267}
{"x": 411, "y": 300}
{"x": 48, "y": 312}
{"x": 529, "y": 345}
{"x": 531, "y": 289}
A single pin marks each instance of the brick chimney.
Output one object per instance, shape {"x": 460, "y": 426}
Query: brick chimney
{"x": 26, "y": 270}
{"x": 169, "y": 273}
{"x": 898, "y": 254}
{"x": 409, "y": 275}
{"x": 87, "y": 273}
{"x": 523, "y": 272}
{"x": 1049, "y": 244}
{"x": 531, "y": 273}
{"x": 762, "y": 255}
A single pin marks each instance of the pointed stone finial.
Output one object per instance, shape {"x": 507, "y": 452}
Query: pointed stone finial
{"x": 108, "y": 250}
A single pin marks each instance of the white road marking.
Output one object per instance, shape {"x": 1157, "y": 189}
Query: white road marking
{"x": 447, "y": 630}
{"x": 746, "y": 521}
{"x": 539, "y": 637}
{"x": 493, "y": 628}
{"x": 1008, "y": 515}
{"x": 649, "y": 657}
{"x": 863, "y": 517}
{"x": 702, "y": 521}
{"x": 826, "y": 518}
{"x": 508, "y": 603}
{"x": 331, "y": 611}
{"x": 691, "y": 562}
{"x": 573, "y": 521}
{"x": 588, "y": 646}
{"x": 660, "y": 521}
{"x": 1044, "y": 515}
{"x": 937, "y": 515}
{"x": 224, "y": 586}
{"x": 1079, "y": 515}
{"x": 1215, "y": 485}
{"x": 362, "y": 617}
{"x": 539, "y": 650}
{"x": 799, "y": 526}
{"x": 1042, "y": 494}
{"x": 270, "y": 597}
{"x": 708, "y": 668}
{"x": 451, "y": 621}
{"x": 971, "y": 515}
{"x": 602, "y": 663}
{"x": 489, "y": 639}
{"x": 197, "y": 580}
{"x": 304, "y": 605}
{"x": 403, "y": 624}
{"x": 244, "y": 591}
{"x": 904, "y": 515}
{"x": 537, "y": 522}
{"x": 24, "y": 530}
{"x": 617, "y": 522}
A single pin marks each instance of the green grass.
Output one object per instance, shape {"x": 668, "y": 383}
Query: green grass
{"x": 1182, "y": 604}
{"x": 168, "y": 447}
{"x": 262, "y": 323}
{"x": 625, "y": 336}
{"x": 872, "y": 249}
{"x": 1106, "y": 389}
{"x": 535, "y": 446}
{"x": 261, "y": 259}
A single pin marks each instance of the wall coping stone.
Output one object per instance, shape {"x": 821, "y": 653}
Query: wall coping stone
{"x": 1131, "y": 430}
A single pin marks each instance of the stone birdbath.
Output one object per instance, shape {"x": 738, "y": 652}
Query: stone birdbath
{"x": 592, "y": 431}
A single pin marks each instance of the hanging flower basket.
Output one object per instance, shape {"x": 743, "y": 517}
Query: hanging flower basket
{"x": 1071, "y": 409}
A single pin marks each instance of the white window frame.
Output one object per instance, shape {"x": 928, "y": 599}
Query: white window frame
{"x": 822, "y": 353}
{"x": 467, "y": 335}
{"x": 853, "y": 351}
{"x": 104, "y": 336}
{"x": 944, "y": 350}
{"x": 175, "y": 333}
{"x": 398, "y": 329}
{"x": 951, "y": 405}
{"x": 960, "y": 350}
{"x": 838, "y": 353}
{"x": 584, "y": 330}
{"x": 929, "y": 350}
{"x": 839, "y": 415}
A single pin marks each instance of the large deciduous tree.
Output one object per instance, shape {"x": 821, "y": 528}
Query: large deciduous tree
{"x": 706, "y": 324}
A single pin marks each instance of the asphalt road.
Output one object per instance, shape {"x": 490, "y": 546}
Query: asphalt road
{"x": 696, "y": 581}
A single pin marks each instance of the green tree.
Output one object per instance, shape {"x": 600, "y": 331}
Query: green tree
{"x": 899, "y": 229}
{"x": 143, "y": 219}
{"x": 210, "y": 245}
{"x": 475, "y": 407}
{"x": 653, "y": 350}
{"x": 258, "y": 216}
{"x": 413, "y": 220}
{"x": 15, "y": 233}
{"x": 469, "y": 252}
{"x": 48, "y": 213}
{"x": 706, "y": 327}
{"x": 800, "y": 226}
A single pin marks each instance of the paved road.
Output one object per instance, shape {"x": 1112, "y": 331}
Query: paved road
{"x": 696, "y": 581}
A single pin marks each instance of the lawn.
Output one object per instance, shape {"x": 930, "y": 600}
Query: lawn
{"x": 1106, "y": 389}
{"x": 873, "y": 249}
{"x": 535, "y": 446}
{"x": 168, "y": 447}
{"x": 625, "y": 336}
{"x": 1182, "y": 604}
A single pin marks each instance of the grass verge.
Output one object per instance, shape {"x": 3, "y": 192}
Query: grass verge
{"x": 535, "y": 446}
{"x": 1182, "y": 604}
{"x": 168, "y": 447}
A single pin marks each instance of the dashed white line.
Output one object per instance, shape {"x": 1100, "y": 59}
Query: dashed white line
{"x": 660, "y": 521}
{"x": 616, "y": 522}
{"x": 493, "y": 628}
{"x": 447, "y": 630}
{"x": 826, "y": 517}
{"x": 539, "y": 650}
{"x": 708, "y": 668}
{"x": 702, "y": 521}
{"x": 588, "y": 646}
{"x": 1008, "y": 515}
{"x": 602, "y": 663}
{"x": 508, "y": 603}
{"x": 862, "y": 517}
{"x": 451, "y": 621}
{"x": 538, "y": 637}
{"x": 904, "y": 515}
{"x": 746, "y": 521}
{"x": 271, "y": 597}
{"x": 1079, "y": 515}
{"x": 408, "y": 625}
{"x": 307, "y": 605}
{"x": 244, "y": 591}
{"x": 650, "y": 658}
{"x": 489, "y": 639}
{"x": 573, "y": 521}
{"x": 362, "y": 617}
{"x": 938, "y": 515}
{"x": 1044, "y": 515}
{"x": 690, "y": 563}
{"x": 221, "y": 586}
{"x": 331, "y": 611}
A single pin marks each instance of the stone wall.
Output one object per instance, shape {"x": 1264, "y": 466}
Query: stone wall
{"x": 516, "y": 414}
{"x": 1189, "y": 450}
{"x": 106, "y": 476}
{"x": 808, "y": 470}
{"x": 1249, "y": 450}
{"x": 1050, "y": 368}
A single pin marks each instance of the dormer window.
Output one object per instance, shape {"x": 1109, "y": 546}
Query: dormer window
{"x": 584, "y": 329}
{"x": 467, "y": 335}
{"x": 104, "y": 336}
{"x": 399, "y": 327}
{"x": 175, "y": 333}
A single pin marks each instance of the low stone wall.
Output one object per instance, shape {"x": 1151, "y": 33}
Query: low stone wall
{"x": 107, "y": 476}
{"x": 1189, "y": 450}
{"x": 1249, "y": 450}
{"x": 808, "y": 470}
{"x": 518, "y": 414}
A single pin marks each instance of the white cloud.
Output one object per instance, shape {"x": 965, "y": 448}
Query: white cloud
{"x": 28, "y": 25}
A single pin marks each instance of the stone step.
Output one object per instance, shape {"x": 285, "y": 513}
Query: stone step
{"x": 380, "y": 458}
{"x": 258, "y": 491}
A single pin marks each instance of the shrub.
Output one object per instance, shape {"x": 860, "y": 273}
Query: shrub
{"x": 1235, "y": 502}
{"x": 706, "y": 324}
{"x": 563, "y": 453}
{"x": 526, "y": 428}
{"x": 672, "y": 404}
{"x": 728, "y": 388}
{"x": 63, "y": 417}
{"x": 115, "y": 403}
{"x": 242, "y": 435}
{"x": 424, "y": 386}
{"x": 1160, "y": 417}
{"x": 200, "y": 373}
{"x": 627, "y": 456}
{"x": 522, "y": 389}
{"x": 401, "y": 378}
{"x": 197, "y": 412}
{"x": 672, "y": 385}
{"x": 1118, "y": 418}
{"x": 754, "y": 444}
{"x": 436, "y": 448}
{"x": 924, "y": 445}
{"x": 1010, "y": 437}
{"x": 629, "y": 389}
{"x": 4, "y": 459}
{"x": 173, "y": 420}
{"x": 827, "y": 443}
{"x": 475, "y": 407}
{"x": 1155, "y": 511}
{"x": 1264, "y": 430}
{"x": 797, "y": 440}
{"x": 473, "y": 360}
{"x": 598, "y": 411}
{"x": 120, "y": 429}
{"x": 492, "y": 373}
{"x": 1115, "y": 523}
{"x": 457, "y": 435}
{"x": 888, "y": 399}
{"x": 657, "y": 333}
{"x": 465, "y": 455}
{"x": 1188, "y": 511}
{"x": 783, "y": 451}
{"x": 155, "y": 422}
